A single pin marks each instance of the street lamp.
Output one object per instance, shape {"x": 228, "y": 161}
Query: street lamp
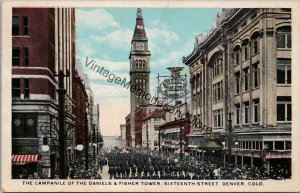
{"x": 229, "y": 137}
{"x": 45, "y": 146}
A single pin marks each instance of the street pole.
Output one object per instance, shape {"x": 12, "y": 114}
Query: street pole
{"x": 61, "y": 105}
{"x": 180, "y": 142}
{"x": 147, "y": 133}
{"x": 159, "y": 141}
{"x": 229, "y": 138}
{"x": 86, "y": 143}
{"x": 94, "y": 148}
{"x": 97, "y": 142}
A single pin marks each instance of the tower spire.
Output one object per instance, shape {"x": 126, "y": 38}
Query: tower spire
{"x": 139, "y": 13}
{"x": 139, "y": 31}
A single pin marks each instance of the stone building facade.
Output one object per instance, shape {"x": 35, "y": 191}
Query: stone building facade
{"x": 241, "y": 77}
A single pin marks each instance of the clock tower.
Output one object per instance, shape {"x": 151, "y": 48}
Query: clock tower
{"x": 139, "y": 70}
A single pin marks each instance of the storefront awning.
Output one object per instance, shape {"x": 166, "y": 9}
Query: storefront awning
{"x": 210, "y": 145}
{"x": 278, "y": 154}
{"x": 19, "y": 159}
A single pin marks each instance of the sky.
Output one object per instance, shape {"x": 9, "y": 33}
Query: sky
{"x": 104, "y": 35}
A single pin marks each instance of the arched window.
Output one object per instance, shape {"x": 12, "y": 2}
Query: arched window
{"x": 136, "y": 63}
{"x": 144, "y": 64}
{"x": 284, "y": 37}
{"x": 254, "y": 43}
{"x": 245, "y": 49}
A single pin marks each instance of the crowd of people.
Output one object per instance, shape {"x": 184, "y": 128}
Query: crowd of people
{"x": 150, "y": 165}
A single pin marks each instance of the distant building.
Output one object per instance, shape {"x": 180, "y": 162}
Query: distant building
{"x": 111, "y": 142}
{"x": 150, "y": 128}
{"x": 123, "y": 134}
{"x": 175, "y": 129}
{"x": 241, "y": 74}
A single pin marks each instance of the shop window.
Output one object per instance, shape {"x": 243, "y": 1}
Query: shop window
{"x": 279, "y": 145}
{"x": 288, "y": 145}
{"x": 268, "y": 145}
{"x": 24, "y": 125}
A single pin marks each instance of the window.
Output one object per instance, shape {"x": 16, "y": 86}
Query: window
{"x": 257, "y": 145}
{"x": 255, "y": 68}
{"x": 26, "y": 88}
{"x": 218, "y": 118}
{"x": 279, "y": 145}
{"x": 218, "y": 67}
{"x": 218, "y": 91}
{"x": 15, "y": 25}
{"x": 286, "y": 9}
{"x": 246, "y": 78}
{"x": 256, "y": 110}
{"x": 24, "y": 125}
{"x": 288, "y": 145}
{"x": 26, "y": 56}
{"x": 284, "y": 108}
{"x": 237, "y": 114}
{"x": 245, "y": 51}
{"x": 284, "y": 39}
{"x": 268, "y": 145}
{"x": 25, "y": 25}
{"x": 255, "y": 46}
{"x": 136, "y": 64}
{"x": 236, "y": 55}
{"x": 16, "y": 56}
{"x": 16, "y": 89}
{"x": 237, "y": 82}
{"x": 246, "y": 112}
{"x": 284, "y": 74}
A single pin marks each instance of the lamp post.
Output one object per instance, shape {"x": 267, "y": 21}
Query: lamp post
{"x": 94, "y": 148}
{"x": 229, "y": 137}
{"x": 147, "y": 136}
{"x": 86, "y": 143}
{"x": 180, "y": 142}
{"x": 159, "y": 141}
{"x": 61, "y": 112}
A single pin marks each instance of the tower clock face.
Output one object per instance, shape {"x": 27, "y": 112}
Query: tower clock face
{"x": 139, "y": 46}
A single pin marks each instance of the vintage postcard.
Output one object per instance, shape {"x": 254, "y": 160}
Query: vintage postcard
{"x": 163, "y": 96}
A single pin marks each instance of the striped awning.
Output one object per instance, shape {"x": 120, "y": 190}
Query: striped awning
{"x": 26, "y": 158}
